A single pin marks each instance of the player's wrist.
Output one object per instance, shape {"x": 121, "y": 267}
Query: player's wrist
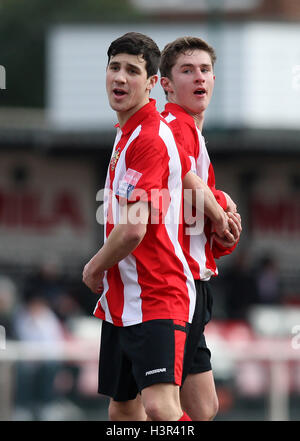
{"x": 97, "y": 264}
{"x": 221, "y": 222}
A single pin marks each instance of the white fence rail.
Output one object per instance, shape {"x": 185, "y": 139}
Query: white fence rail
{"x": 278, "y": 353}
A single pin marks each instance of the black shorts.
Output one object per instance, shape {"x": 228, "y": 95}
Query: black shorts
{"x": 197, "y": 356}
{"x": 138, "y": 356}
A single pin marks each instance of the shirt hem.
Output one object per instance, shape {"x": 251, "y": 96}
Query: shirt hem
{"x": 100, "y": 315}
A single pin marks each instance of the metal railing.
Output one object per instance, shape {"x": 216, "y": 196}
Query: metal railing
{"x": 278, "y": 353}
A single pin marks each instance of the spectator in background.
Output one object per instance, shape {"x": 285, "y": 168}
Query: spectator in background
{"x": 47, "y": 279}
{"x": 268, "y": 282}
{"x": 52, "y": 286}
{"x": 239, "y": 288}
{"x": 8, "y": 295}
{"x": 34, "y": 321}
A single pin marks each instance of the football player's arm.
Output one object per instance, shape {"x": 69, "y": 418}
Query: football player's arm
{"x": 230, "y": 204}
{"x": 123, "y": 240}
{"x": 201, "y": 200}
{"x": 211, "y": 207}
{"x": 223, "y": 247}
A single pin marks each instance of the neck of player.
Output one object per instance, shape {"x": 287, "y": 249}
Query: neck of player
{"x": 199, "y": 120}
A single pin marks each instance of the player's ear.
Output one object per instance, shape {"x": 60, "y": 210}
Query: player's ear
{"x": 166, "y": 84}
{"x": 152, "y": 81}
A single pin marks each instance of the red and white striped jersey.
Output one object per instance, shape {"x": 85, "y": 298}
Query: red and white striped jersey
{"x": 199, "y": 250}
{"x": 154, "y": 281}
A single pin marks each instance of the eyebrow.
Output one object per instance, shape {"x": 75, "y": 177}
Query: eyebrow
{"x": 132, "y": 66}
{"x": 192, "y": 65}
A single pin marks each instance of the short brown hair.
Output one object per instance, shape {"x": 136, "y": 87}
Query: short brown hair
{"x": 179, "y": 46}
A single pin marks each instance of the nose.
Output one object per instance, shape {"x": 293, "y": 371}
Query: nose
{"x": 120, "y": 77}
{"x": 199, "y": 76}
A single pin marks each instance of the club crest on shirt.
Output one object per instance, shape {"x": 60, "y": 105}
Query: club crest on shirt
{"x": 114, "y": 159}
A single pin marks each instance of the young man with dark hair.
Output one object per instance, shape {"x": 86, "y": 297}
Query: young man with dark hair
{"x": 188, "y": 79}
{"x": 148, "y": 292}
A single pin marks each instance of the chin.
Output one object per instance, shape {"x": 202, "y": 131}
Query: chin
{"x": 198, "y": 109}
{"x": 116, "y": 107}
{"x": 202, "y": 108}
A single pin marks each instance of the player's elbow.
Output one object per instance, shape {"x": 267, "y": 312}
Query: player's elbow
{"x": 134, "y": 239}
{"x": 134, "y": 234}
{"x": 191, "y": 181}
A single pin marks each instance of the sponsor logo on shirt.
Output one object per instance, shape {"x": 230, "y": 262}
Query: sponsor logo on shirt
{"x": 128, "y": 183}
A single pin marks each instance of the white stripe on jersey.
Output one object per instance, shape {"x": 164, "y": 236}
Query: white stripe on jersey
{"x": 203, "y": 161}
{"x": 193, "y": 164}
{"x": 197, "y": 244}
{"x": 127, "y": 266}
{"x": 175, "y": 189}
{"x": 103, "y": 301}
{"x": 132, "y": 311}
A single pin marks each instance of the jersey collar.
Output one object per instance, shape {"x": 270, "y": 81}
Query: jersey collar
{"x": 138, "y": 117}
{"x": 179, "y": 111}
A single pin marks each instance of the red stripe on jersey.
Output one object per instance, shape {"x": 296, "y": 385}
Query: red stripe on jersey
{"x": 211, "y": 180}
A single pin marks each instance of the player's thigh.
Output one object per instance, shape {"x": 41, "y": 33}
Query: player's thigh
{"x": 161, "y": 392}
{"x": 199, "y": 397}
{"x": 162, "y": 401}
{"x": 131, "y": 410}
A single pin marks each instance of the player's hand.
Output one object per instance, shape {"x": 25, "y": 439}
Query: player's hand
{"x": 235, "y": 222}
{"x": 92, "y": 277}
{"x": 235, "y": 225}
{"x": 222, "y": 227}
{"x": 231, "y": 205}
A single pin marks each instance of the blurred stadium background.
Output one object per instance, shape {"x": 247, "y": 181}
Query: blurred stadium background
{"x": 56, "y": 133}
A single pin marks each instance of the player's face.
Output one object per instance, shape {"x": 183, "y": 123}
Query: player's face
{"x": 127, "y": 84}
{"x": 192, "y": 81}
